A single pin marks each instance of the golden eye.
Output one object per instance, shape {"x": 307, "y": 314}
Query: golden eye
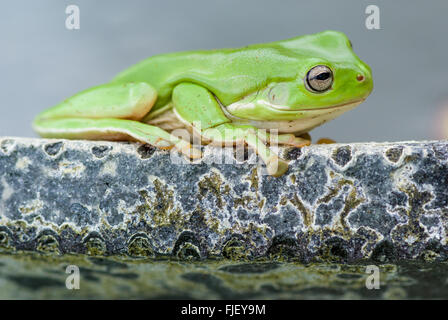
{"x": 319, "y": 79}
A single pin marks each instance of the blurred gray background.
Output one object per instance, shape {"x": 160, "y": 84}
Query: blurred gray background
{"x": 42, "y": 63}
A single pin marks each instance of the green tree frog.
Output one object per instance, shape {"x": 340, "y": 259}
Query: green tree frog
{"x": 291, "y": 85}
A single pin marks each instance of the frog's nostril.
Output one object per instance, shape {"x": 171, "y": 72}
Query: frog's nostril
{"x": 360, "y": 77}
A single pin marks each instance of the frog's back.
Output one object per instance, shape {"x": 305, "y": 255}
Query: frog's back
{"x": 229, "y": 73}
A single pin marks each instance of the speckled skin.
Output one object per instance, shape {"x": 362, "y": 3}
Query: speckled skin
{"x": 341, "y": 202}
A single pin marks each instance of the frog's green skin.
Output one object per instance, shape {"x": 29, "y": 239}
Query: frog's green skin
{"x": 236, "y": 91}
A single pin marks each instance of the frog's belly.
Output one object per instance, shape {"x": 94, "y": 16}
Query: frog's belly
{"x": 169, "y": 120}
{"x": 312, "y": 119}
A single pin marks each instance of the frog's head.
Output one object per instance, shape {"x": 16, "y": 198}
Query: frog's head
{"x": 330, "y": 80}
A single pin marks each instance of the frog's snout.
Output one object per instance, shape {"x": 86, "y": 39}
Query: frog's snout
{"x": 363, "y": 74}
{"x": 363, "y": 78}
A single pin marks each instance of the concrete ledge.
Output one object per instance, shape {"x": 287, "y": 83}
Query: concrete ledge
{"x": 341, "y": 202}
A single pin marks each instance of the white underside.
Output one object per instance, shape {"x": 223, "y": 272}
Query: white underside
{"x": 170, "y": 120}
{"x": 313, "y": 119}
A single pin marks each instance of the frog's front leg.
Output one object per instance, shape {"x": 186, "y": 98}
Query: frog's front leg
{"x": 197, "y": 106}
{"x": 109, "y": 112}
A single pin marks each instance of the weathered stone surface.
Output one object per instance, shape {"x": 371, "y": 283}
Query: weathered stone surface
{"x": 341, "y": 202}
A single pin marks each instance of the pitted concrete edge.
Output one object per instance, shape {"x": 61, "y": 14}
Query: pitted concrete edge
{"x": 339, "y": 202}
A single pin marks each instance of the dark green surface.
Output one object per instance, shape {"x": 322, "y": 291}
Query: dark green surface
{"x": 36, "y": 276}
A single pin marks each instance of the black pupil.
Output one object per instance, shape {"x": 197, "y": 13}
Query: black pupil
{"x": 323, "y": 76}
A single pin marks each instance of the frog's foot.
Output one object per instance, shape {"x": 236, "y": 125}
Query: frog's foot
{"x": 226, "y": 134}
{"x": 292, "y": 140}
{"x": 276, "y": 166}
{"x": 325, "y": 141}
{"x": 188, "y": 150}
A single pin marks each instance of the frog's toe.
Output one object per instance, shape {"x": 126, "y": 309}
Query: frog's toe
{"x": 276, "y": 167}
{"x": 292, "y": 140}
{"x": 188, "y": 150}
{"x": 195, "y": 153}
{"x": 299, "y": 142}
{"x": 161, "y": 143}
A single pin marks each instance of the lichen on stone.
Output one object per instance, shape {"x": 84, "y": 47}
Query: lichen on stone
{"x": 338, "y": 203}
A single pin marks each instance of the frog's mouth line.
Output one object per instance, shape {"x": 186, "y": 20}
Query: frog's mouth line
{"x": 287, "y": 109}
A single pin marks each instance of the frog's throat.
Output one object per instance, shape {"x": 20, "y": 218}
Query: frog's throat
{"x": 311, "y": 118}
{"x": 284, "y": 108}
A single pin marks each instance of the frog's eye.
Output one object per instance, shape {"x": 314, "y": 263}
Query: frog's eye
{"x": 319, "y": 79}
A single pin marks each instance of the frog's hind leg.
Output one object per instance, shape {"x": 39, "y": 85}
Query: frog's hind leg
{"x": 119, "y": 101}
{"x": 113, "y": 129}
{"x": 109, "y": 112}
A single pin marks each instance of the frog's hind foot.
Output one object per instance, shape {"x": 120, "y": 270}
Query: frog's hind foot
{"x": 287, "y": 139}
{"x": 292, "y": 140}
{"x": 188, "y": 150}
